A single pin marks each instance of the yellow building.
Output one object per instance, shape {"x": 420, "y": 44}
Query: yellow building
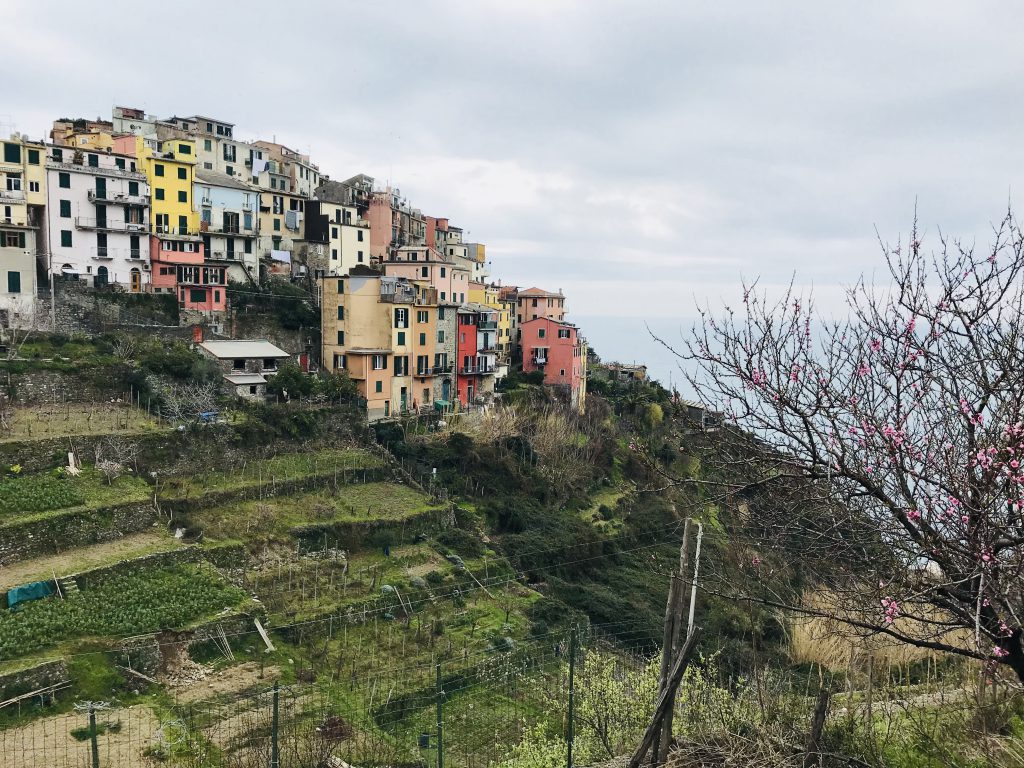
{"x": 382, "y": 332}
{"x": 170, "y": 171}
{"x": 22, "y": 201}
{"x": 492, "y": 298}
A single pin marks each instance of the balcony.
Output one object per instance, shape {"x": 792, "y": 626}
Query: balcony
{"x": 103, "y": 253}
{"x": 117, "y": 198}
{"x": 476, "y": 370}
{"x": 247, "y": 207}
{"x": 108, "y": 225}
{"x": 207, "y": 202}
{"x": 488, "y": 325}
{"x": 12, "y": 194}
{"x": 167, "y": 230}
{"x": 539, "y": 360}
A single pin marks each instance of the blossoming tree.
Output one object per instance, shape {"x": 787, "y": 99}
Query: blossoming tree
{"x": 884, "y": 451}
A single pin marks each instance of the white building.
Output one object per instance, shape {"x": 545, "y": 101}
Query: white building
{"x": 22, "y": 199}
{"x": 228, "y": 222}
{"x": 97, "y": 206}
{"x": 345, "y": 232}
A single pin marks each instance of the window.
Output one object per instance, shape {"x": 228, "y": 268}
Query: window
{"x": 94, "y": 161}
{"x": 540, "y": 333}
{"x": 341, "y": 286}
{"x": 207, "y": 144}
{"x": 359, "y": 235}
{"x": 401, "y": 318}
{"x": 341, "y": 312}
{"x": 216, "y": 297}
{"x": 182, "y": 196}
{"x": 33, "y": 186}
{"x": 158, "y": 194}
{"x": 65, "y": 238}
{"x": 58, "y": 155}
{"x": 238, "y": 365}
{"x": 561, "y": 371}
{"x": 339, "y": 362}
{"x": 208, "y": 166}
{"x": 197, "y": 295}
{"x": 277, "y": 225}
{"x": 248, "y": 246}
{"x": 65, "y": 209}
{"x": 360, "y": 257}
{"x": 12, "y": 153}
{"x": 185, "y": 149}
{"x": 183, "y": 226}
{"x": 442, "y": 295}
{"x": 563, "y": 333}
{"x": 334, "y": 254}
{"x": 229, "y": 170}
{"x": 442, "y": 271}
{"x": 14, "y": 282}
{"x": 183, "y": 173}
{"x": 12, "y": 239}
{"x": 334, "y": 232}
{"x": 402, "y": 365}
{"x": 401, "y": 338}
{"x": 158, "y": 169}
{"x": 341, "y": 338}
{"x": 440, "y": 337}
{"x": 378, "y": 363}
{"x": 379, "y": 387}
{"x": 424, "y": 272}
{"x": 423, "y": 339}
{"x": 440, "y": 313}
{"x": 33, "y": 157}
{"x": 422, "y": 316}
{"x": 64, "y": 180}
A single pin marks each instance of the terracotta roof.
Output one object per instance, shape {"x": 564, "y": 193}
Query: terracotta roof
{"x": 538, "y": 292}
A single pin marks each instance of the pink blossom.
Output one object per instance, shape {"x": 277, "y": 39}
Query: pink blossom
{"x": 999, "y": 652}
{"x": 863, "y": 369}
{"x": 913, "y": 515}
{"x": 875, "y": 345}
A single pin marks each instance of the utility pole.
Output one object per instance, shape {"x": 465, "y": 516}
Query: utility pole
{"x": 440, "y": 718}
{"x": 569, "y": 731}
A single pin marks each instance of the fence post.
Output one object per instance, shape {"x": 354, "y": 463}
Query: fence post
{"x": 569, "y": 733}
{"x": 93, "y": 738}
{"x": 275, "y": 755}
{"x": 440, "y": 719}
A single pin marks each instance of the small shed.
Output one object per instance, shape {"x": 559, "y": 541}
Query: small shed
{"x": 246, "y": 363}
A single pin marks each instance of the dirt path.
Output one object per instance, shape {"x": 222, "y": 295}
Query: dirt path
{"x": 84, "y": 558}
{"x": 236, "y": 679}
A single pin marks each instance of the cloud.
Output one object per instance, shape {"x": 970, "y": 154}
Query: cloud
{"x": 639, "y": 155}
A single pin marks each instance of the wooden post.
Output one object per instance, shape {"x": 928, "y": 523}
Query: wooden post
{"x": 671, "y": 641}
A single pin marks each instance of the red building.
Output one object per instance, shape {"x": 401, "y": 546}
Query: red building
{"x": 557, "y": 348}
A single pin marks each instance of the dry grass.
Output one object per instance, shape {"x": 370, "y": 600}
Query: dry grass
{"x": 74, "y": 419}
{"x": 837, "y": 646}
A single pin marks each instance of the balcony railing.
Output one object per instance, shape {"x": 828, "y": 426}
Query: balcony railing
{"x": 12, "y": 194}
{"x": 539, "y": 360}
{"x": 116, "y": 198}
{"x": 488, "y": 325}
{"x": 476, "y": 369}
{"x": 115, "y": 225}
{"x": 179, "y": 231}
{"x": 103, "y": 253}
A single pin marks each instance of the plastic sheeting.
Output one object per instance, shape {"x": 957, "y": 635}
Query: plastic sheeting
{"x": 37, "y": 590}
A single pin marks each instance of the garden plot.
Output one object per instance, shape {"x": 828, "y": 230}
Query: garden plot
{"x": 52, "y": 491}
{"x": 117, "y": 605}
{"x": 276, "y": 516}
{"x": 39, "y": 422}
{"x": 331, "y": 464}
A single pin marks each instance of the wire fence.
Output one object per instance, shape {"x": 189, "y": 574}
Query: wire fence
{"x": 455, "y": 711}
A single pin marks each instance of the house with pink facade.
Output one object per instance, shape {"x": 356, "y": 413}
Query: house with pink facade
{"x": 559, "y": 350}
{"x": 179, "y": 266}
{"x": 431, "y": 266}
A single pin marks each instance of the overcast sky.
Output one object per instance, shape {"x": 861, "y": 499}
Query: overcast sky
{"x": 638, "y": 155}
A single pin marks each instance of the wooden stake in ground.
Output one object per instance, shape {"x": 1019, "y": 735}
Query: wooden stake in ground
{"x": 812, "y": 755}
{"x": 666, "y": 699}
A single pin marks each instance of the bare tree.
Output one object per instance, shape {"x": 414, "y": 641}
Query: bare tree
{"x": 183, "y": 402}
{"x": 886, "y": 448}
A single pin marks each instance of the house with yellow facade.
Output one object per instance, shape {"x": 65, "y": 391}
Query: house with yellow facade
{"x": 22, "y": 205}
{"x": 382, "y": 331}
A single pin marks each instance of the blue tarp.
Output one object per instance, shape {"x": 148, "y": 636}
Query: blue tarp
{"x": 37, "y": 590}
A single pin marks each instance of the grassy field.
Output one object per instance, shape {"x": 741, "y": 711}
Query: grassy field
{"x": 40, "y": 422}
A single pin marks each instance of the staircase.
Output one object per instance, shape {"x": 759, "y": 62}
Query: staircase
{"x": 68, "y": 586}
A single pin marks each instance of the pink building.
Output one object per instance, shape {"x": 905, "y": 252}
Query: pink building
{"x": 536, "y": 302}
{"x": 179, "y": 266}
{"x": 557, "y": 348}
{"x": 429, "y": 265}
